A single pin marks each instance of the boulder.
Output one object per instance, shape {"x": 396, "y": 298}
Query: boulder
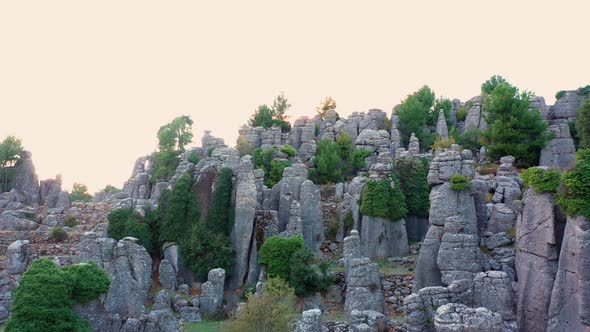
{"x": 454, "y": 317}
{"x": 25, "y": 180}
{"x": 19, "y": 257}
{"x": 493, "y": 290}
{"x": 211, "y": 298}
{"x": 383, "y": 238}
{"x": 311, "y": 321}
{"x": 167, "y": 275}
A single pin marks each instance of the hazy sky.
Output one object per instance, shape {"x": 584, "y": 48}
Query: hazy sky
{"x": 87, "y": 84}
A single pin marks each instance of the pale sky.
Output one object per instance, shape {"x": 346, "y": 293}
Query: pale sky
{"x": 87, "y": 84}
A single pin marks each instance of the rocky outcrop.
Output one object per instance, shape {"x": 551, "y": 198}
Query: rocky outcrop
{"x": 129, "y": 266}
{"x": 363, "y": 282}
{"x": 242, "y": 235}
{"x": 559, "y": 153}
{"x": 19, "y": 256}
{"x": 537, "y": 252}
{"x": 570, "y": 298}
{"x": 475, "y": 116}
{"x": 455, "y": 317}
{"x": 493, "y": 290}
{"x": 25, "y": 181}
{"x": 381, "y": 237}
{"x": 212, "y": 292}
{"x": 311, "y": 321}
{"x": 441, "y": 125}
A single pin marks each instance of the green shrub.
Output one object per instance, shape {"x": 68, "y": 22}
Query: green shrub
{"x": 542, "y": 180}
{"x": 443, "y": 143}
{"x": 45, "y": 296}
{"x": 414, "y": 115}
{"x": 244, "y": 146}
{"x": 462, "y": 113}
{"x": 470, "y": 139}
{"x": 332, "y": 229}
{"x": 80, "y": 193}
{"x": 165, "y": 164}
{"x": 272, "y": 310}
{"x": 203, "y": 250}
{"x": 276, "y": 172}
{"x": 276, "y": 253}
{"x": 345, "y": 145}
{"x": 513, "y": 129}
{"x": 381, "y": 200}
{"x": 582, "y": 125}
{"x": 136, "y": 228}
{"x": 117, "y": 219}
{"x": 220, "y": 216}
{"x": 122, "y": 223}
{"x": 327, "y": 163}
{"x": 460, "y": 182}
{"x": 58, "y": 234}
{"x": 307, "y": 278}
{"x": 266, "y": 116}
{"x": 288, "y": 150}
{"x": 348, "y": 222}
{"x": 86, "y": 281}
{"x": 358, "y": 158}
{"x": 193, "y": 157}
{"x": 71, "y": 221}
{"x": 412, "y": 174}
{"x": 575, "y": 200}
{"x": 559, "y": 94}
{"x": 183, "y": 210}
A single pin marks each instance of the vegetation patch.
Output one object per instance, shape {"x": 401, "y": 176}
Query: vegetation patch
{"x": 460, "y": 182}
{"x": 381, "y": 199}
{"x": 575, "y": 200}
{"x": 542, "y": 180}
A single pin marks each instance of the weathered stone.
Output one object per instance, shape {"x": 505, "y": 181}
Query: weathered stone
{"x": 311, "y": 321}
{"x": 190, "y": 314}
{"x": 212, "y": 292}
{"x": 25, "y": 180}
{"x": 459, "y": 257}
{"x": 383, "y": 238}
{"x": 493, "y": 290}
{"x": 455, "y": 317}
{"x": 559, "y": 153}
{"x": 502, "y": 219}
{"x": 19, "y": 256}
{"x": 162, "y": 300}
{"x": 167, "y": 275}
{"x": 441, "y": 125}
{"x": 427, "y": 273}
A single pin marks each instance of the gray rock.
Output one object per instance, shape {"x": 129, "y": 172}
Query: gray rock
{"x": 311, "y": 215}
{"x": 311, "y": 321}
{"x": 570, "y": 297}
{"x": 502, "y": 219}
{"x": 441, "y": 125}
{"x": 211, "y": 298}
{"x": 459, "y": 257}
{"x": 167, "y": 275}
{"x": 493, "y": 290}
{"x": 190, "y": 314}
{"x": 162, "y": 300}
{"x": 383, "y": 238}
{"x": 427, "y": 272}
{"x": 19, "y": 256}
{"x": 25, "y": 180}
{"x": 559, "y": 153}
{"x": 455, "y": 317}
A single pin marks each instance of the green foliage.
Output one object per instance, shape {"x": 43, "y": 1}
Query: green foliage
{"x": 109, "y": 189}
{"x": 123, "y": 223}
{"x": 183, "y": 210}
{"x": 117, "y": 219}
{"x": 412, "y": 174}
{"x": 327, "y": 163}
{"x": 380, "y": 199}
{"x": 276, "y": 253}
{"x": 332, "y": 229}
{"x": 244, "y": 146}
{"x": 271, "y": 310}
{"x": 58, "y": 234}
{"x": 276, "y": 172}
{"x": 583, "y": 125}
{"x": 193, "y": 157}
{"x": 460, "y": 182}
{"x": 358, "y": 158}
{"x": 542, "y": 180}
{"x": 470, "y": 139}
{"x": 44, "y": 299}
{"x": 415, "y": 114}
{"x": 80, "y": 193}
{"x": 86, "y": 281}
{"x": 220, "y": 216}
{"x": 488, "y": 86}
{"x": 441, "y": 104}
{"x": 288, "y": 150}
{"x": 583, "y": 91}
{"x": 512, "y": 128}
{"x": 462, "y": 113}
{"x": 165, "y": 164}
{"x": 10, "y": 149}
{"x": 307, "y": 278}
{"x": 267, "y": 117}
{"x": 345, "y": 145}
{"x": 348, "y": 222}
{"x": 575, "y": 200}
{"x": 327, "y": 104}
{"x": 175, "y": 135}
{"x": 71, "y": 221}
{"x": 559, "y": 94}
{"x": 443, "y": 143}
{"x": 574, "y": 134}
{"x": 203, "y": 250}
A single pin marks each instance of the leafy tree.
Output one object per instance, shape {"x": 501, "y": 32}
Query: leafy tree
{"x": 80, "y": 193}
{"x": 271, "y": 310}
{"x": 327, "y": 163}
{"x": 182, "y": 210}
{"x": 175, "y": 135}
{"x": 45, "y": 296}
{"x": 220, "y": 216}
{"x": 470, "y": 139}
{"x": 109, "y": 189}
{"x": 488, "y": 86}
{"x": 512, "y": 128}
{"x": 415, "y": 114}
{"x": 10, "y": 149}
{"x": 412, "y": 174}
{"x": 575, "y": 200}
{"x": 381, "y": 199}
{"x": 326, "y": 105}
{"x": 267, "y": 117}
{"x": 86, "y": 281}
{"x": 583, "y": 125}
{"x": 203, "y": 250}
{"x": 345, "y": 145}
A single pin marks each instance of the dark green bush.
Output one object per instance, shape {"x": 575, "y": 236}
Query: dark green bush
{"x": 276, "y": 253}
{"x": 358, "y": 158}
{"x": 71, "y": 221}
{"x": 194, "y": 157}
{"x": 345, "y": 145}
{"x": 462, "y": 113}
{"x": 332, "y": 229}
{"x": 460, "y": 182}
{"x": 575, "y": 200}
{"x": 381, "y": 200}
{"x": 348, "y": 222}
{"x": 327, "y": 163}
{"x": 45, "y": 296}
{"x": 203, "y": 250}
{"x": 58, "y": 234}
{"x": 138, "y": 229}
{"x": 220, "y": 216}
{"x": 86, "y": 281}
{"x": 183, "y": 210}
{"x": 276, "y": 172}
{"x": 165, "y": 166}
{"x": 414, "y": 115}
{"x": 412, "y": 174}
{"x": 288, "y": 150}
{"x": 559, "y": 94}
{"x": 307, "y": 278}
{"x": 582, "y": 125}
{"x": 542, "y": 180}
{"x": 123, "y": 223}
{"x": 117, "y": 219}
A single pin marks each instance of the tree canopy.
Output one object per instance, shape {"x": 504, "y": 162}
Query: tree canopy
{"x": 267, "y": 116}
{"x": 175, "y": 135}
{"x": 80, "y": 193}
{"x": 10, "y": 149}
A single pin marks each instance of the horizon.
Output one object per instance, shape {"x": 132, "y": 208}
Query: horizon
{"x": 86, "y": 86}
